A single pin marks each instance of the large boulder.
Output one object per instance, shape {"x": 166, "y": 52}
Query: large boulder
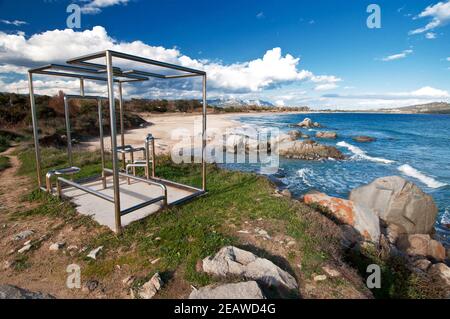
{"x": 308, "y": 150}
{"x": 13, "y": 292}
{"x": 328, "y": 135}
{"x": 397, "y": 201}
{"x": 421, "y": 245}
{"x": 232, "y": 261}
{"x": 307, "y": 122}
{"x": 362, "y": 219}
{"x": 241, "y": 290}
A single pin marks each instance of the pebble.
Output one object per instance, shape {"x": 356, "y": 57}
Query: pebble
{"x": 7, "y": 264}
{"x": 155, "y": 261}
{"x": 23, "y": 235}
{"x": 56, "y": 246}
{"x": 291, "y": 243}
{"x": 128, "y": 281}
{"x": 320, "y": 278}
{"x": 331, "y": 272}
{"x": 94, "y": 253}
{"x": 24, "y": 249}
{"x": 91, "y": 285}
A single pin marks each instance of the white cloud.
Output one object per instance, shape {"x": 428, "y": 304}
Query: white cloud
{"x": 16, "y": 23}
{"x": 96, "y": 6}
{"x": 439, "y": 14}
{"x": 325, "y": 87}
{"x": 425, "y": 92}
{"x": 260, "y": 15}
{"x": 271, "y": 70}
{"x": 279, "y": 103}
{"x": 430, "y": 35}
{"x": 448, "y": 59}
{"x": 397, "y": 56}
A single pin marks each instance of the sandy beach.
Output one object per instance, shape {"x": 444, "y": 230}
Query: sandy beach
{"x": 167, "y": 129}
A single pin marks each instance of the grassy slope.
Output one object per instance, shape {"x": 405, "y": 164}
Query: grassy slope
{"x": 180, "y": 236}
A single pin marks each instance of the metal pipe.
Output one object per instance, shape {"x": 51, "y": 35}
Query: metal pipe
{"x": 142, "y": 205}
{"x": 82, "y": 86}
{"x": 140, "y": 179}
{"x": 85, "y": 189}
{"x": 102, "y": 144}
{"x": 153, "y": 158}
{"x": 204, "y": 136}
{"x": 85, "y": 97}
{"x": 68, "y": 133}
{"x": 35, "y": 129}
{"x": 115, "y": 164}
{"x": 122, "y": 132}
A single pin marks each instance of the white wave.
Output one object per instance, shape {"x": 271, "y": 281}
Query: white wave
{"x": 427, "y": 180}
{"x": 304, "y": 174}
{"x": 360, "y": 154}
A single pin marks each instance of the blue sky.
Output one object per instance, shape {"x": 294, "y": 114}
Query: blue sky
{"x": 318, "y": 53}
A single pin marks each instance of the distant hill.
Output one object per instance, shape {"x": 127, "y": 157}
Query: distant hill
{"x": 429, "y": 108}
{"x": 238, "y": 103}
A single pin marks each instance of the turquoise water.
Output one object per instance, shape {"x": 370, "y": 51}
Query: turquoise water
{"x": 416, "y": 147}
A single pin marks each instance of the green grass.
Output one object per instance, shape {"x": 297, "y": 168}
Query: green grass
{"x": 189, "y": 232}
{"x": 181, "y": 236}
{"x": 4, "y": 163}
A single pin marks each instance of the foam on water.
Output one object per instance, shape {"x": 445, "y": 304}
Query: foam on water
{"x": 427, "y": 180}
{"x": 304, "y": 174}
{"x": 360, "y": 154}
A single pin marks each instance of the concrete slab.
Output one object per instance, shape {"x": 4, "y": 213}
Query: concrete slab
{"x": 102, "y": 211}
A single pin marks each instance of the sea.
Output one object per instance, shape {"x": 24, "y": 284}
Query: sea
{"x": 413, "y": 146}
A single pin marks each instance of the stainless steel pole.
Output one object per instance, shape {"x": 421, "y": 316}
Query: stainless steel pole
{"x": 122, "y": 132}
{"x": 68, "y": 133}
{"x": 102, "y": 144}
{"x": 35, "y": 129}
{"x": 204, "y": 136}
{"x": 82, "y": 86}
{"x": 115, "y": 162}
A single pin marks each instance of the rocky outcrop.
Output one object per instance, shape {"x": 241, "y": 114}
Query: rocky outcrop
{"x": 422, "y": 245}
{"x": 308, "y": 123}
{"x": 241, "y": 290}
{"x": 232, "y": 261}
{"x": 363, "y": 220}
{"x": 13, "y": 292}
{"x": 309, "y": 150}
{"x": 397, "y": 201}
{"x": 441, "y": 272}
{"x": 295, "y": 135}
{"x": 364, "y": 139}
{"x": 328, "y": 135}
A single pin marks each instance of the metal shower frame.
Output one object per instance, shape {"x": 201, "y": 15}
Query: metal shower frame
{"x": 83, "y": 70}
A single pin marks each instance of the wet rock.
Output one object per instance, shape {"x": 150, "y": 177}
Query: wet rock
{"x": 308, "y": 123}
{"x": 295, "y": 135}
{"x": 237, "y": 291}
{"x": 308, "y": 150}
{"x": 23, "y": 235}
{"x": 232, "y": 261}
{"x": 94, "y": 253}
{"x": 13, "y": 292}
{"x": 347, "y": 212}
{"x": 327, "y": 135}
{"x": 397, "y": 201}
{"x": 364, "y": 139}
{"x": 151, "y": 287}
